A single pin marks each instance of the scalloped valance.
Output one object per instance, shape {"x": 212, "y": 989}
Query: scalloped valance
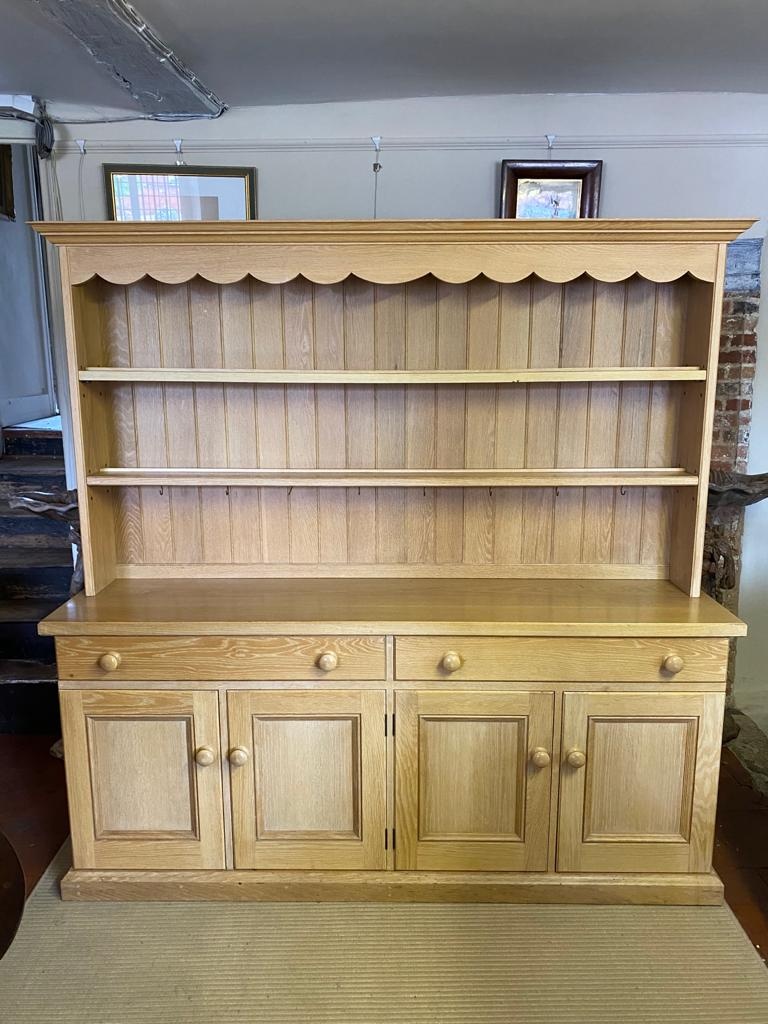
{"x": 392, "y": 252}
{"x": 390, "y": 264}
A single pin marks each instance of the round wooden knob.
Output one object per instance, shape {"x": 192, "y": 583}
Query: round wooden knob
{"x": 451, "y": 661}
{"x": 110, "y": 661}
{"x": 204, "y": 756}
{"x": 673, "y": 664}
{"x": 328, "y": 661}
{"x": 540, "y": 757}
{"x": 576, "y": 758}
{"x": 238, "y": 756}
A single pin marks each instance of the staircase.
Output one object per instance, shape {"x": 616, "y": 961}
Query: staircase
{"x": 35, "y": 575}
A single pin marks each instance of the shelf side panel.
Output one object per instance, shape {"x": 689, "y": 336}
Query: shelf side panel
{"x": 92, "y": 410}
{"x": 694, "y": 443}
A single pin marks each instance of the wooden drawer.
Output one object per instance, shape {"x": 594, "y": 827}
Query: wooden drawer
{"x": 221, "y": 657}
{"x": 551, "y": 659}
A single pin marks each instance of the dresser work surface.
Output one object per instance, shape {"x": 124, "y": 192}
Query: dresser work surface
{"x": 507, "y": 607}
{"x": 392, "y": 546}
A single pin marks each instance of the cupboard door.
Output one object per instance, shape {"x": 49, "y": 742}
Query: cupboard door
{"x": 472, "y": 780}
{"x": 308, "y": 776}
{"x": 144, "y": 778}
{"x": 638, "y": 782}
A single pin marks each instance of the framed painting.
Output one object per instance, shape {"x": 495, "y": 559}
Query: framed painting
{"x": 550, "y": 189}
{"x": 136, "y": 192}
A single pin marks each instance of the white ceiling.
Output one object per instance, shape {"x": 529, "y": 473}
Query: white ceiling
{"x": 299, "y": 51}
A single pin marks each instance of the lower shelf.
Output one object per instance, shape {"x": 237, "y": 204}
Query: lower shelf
{"x": 392, "y": 887}
{"x": 665, "y": 476}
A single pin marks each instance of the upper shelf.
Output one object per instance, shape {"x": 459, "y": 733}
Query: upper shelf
{"x": 113, "y": 476}
{"x": 176, "y": 375}
{"x": 392, "y": 252}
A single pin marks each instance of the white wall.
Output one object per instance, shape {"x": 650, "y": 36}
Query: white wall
{"x": 666, "y": 155}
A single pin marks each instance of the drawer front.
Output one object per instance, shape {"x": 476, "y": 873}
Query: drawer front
{"x": 221, "y": 658}
{"x": 551, "y": 659}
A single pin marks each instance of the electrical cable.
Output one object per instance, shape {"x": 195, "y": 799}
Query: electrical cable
{"x": 54, "y": 189}
{"x": 80, "y": 183}
{"x": 21, "y": 116}
{"x": 376, "y": 140}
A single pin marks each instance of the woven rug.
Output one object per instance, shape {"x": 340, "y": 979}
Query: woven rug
{"x": 157, "y": 963}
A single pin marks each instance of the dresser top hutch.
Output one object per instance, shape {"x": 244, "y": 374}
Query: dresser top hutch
{"x": 414, "y": 424}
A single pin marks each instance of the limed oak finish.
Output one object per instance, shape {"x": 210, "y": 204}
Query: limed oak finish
{"x": 392, "y": 545}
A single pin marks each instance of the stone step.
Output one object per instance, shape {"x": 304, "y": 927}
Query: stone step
{"x": 28, "y": 697}
{"x": 29, "y": 442}
{"x": 36, "y": 572}
{"x": 18, "y": 630}
{"x": 21, "y": 528}
{"x": 23, "y": 467}
{"x": 23, "y": 520}
{"x": 37, "y": 557}
{"x": 19, "y": 476}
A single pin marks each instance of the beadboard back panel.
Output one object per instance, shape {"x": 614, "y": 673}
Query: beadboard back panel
{"x": 596, "y": 532}
{"x": 355, "y": 325}
{"x": 425, "y": 324}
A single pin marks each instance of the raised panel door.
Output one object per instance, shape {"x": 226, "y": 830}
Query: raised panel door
{"x": 638, "y": 783}
{"x": 473, "y": 780}
{"x": 144, "y": 778}
{"x": 308, "y": 777}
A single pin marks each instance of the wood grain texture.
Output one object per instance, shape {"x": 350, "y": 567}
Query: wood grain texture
{"x": 91, "y": 441}
{"x": 209, "y": 657}
{"x": 650, "y": 889}
{"x": 617, "y": 436}
{"x": 694, "y": 441}
{"x": 485, "y": 438}
{"x": 75, "y": 233}
{"x": 565, "y": 375}
{"x": 468, "y": 797}
{"x": 645, "y": 798}
{"x": 534, "y": 658}
{"x": 137, "y": 799}
{"x": 300, "y": 387}
{"x": 312, "y": 793}
{"x": 326, "y": 607}
{"x": 395, "y": 263}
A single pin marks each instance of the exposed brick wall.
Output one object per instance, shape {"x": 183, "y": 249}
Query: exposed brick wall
{"x": 735, "y": 379}
{"x": 733, "y": 417}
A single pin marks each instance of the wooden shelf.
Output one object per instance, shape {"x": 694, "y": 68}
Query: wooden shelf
{"x": 564, "y": 375}
{"x": 122, "y": 477}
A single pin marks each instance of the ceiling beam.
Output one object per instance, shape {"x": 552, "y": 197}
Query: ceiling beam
{"x": 120, "y": 40}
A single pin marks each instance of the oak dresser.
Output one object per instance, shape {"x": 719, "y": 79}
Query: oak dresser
{"x": 392, "y": 539}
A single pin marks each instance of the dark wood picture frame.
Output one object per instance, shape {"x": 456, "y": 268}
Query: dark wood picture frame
{"x": 589, "y": 172}
{"x": 248, "y": 174}
{"x": 7, "y": 207}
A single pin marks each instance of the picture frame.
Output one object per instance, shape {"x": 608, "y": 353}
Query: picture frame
{"x": 7, "y": 207}
{"x": 550, "y": 189}
{"x": 149, "y": 192}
